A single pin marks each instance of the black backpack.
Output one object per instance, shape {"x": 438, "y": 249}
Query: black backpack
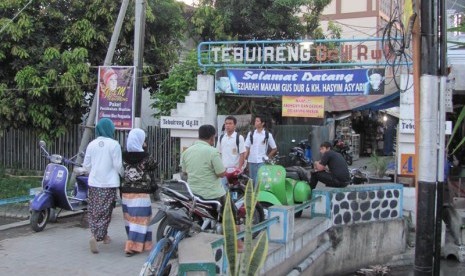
{"x": 266, "y": 136}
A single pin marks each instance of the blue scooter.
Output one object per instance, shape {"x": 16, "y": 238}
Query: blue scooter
{"x": 53, "y": 194}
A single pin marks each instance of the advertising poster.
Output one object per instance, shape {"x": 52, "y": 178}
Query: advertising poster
{"x": 116, "y": 95}
{"x": 309, "y": 107}
{"x": 331, "y": 82}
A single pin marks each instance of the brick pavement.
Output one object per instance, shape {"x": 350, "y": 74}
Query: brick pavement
{"x": 63, "y": 248}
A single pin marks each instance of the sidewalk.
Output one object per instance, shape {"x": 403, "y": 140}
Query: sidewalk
{"x": 63, "y": 248}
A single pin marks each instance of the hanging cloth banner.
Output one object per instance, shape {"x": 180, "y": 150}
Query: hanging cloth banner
{"x": 335, "y": 82}
{"x": 116, "y": 95}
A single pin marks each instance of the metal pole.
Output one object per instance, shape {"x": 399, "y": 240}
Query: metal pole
{"x": 428, "y": 157}
{"x": 90, "y": 122}
{"x": 441, "y": 136}
{"x": 139, "y": 34}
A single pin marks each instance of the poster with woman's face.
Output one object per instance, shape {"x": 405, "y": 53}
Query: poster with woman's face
{"x": 116, "y": 95}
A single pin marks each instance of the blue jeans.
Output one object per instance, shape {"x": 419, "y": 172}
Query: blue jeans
{"x": 253, "y": 173}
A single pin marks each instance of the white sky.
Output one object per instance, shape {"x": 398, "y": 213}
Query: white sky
{"x": 190, "y": 2}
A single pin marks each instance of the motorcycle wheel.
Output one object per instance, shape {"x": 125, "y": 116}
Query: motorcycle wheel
{"x": 39, "y": 219}
{"x": 258, "y": 216}
{"x": 155, "y": 260}
{"x": 162, "y": 229}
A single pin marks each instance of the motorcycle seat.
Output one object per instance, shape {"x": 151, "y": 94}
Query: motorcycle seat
{"x": 298, "y": 173}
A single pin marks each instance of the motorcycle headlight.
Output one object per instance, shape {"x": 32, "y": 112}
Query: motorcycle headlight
{"x": 55, "y": 158}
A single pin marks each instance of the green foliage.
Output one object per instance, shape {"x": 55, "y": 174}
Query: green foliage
{"x": 11, "y": 186}
{"x": 458, "y": 124}
{"x": 253, "y": 257}
{"x": 181, "y": 80}
{"x": 50, "y": 53}
{"x": 379, "y": 164}
{"x": 248, "y": 20}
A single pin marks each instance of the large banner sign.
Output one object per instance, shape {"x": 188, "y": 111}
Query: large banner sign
{"x": 308, "y": 107}
{"x": 116, "y": 95}
{"x": 350, "y": 82}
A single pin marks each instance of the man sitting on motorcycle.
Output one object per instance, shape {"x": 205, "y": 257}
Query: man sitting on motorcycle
{"x": 204, "y": 168}
{"x": 338, "y": 174}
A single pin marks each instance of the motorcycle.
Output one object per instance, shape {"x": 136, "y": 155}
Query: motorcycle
{"x": 177, "y": 195}
{"x": 283, "y": 186}
{"x": 237, "y": 182}
{"x": 53, "y": 194}
{"x": 344, "y": 150}
{"x": 358, "y": 175}
{"x": 301, "y": 155}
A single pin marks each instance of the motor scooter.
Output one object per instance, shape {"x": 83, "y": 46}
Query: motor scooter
{"x": 53, "y": 194}
{"x": 301, "y": 155}
{"x": 344, "y": 150}
{"x": 283, "y": 186}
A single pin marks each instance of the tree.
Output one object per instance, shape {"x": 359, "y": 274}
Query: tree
{"x": 249, "y": 19}
{"x": 51, "y": 50}
{"x": 239, "y": 20}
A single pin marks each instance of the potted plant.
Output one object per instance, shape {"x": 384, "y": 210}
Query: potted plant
{"x": 379, "y": 165}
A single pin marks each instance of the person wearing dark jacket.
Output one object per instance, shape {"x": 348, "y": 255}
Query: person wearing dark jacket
{"x": 332, "y": 169}
{"x": 135, "y": 193}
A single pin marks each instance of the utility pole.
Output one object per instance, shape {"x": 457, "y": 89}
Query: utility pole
{"x": 90, "y": 122}
{"x": 139, "y": 35}
{"x": 431, "y": 137}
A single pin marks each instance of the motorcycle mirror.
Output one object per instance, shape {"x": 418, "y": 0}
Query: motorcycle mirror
{"x": 42, "y": 143}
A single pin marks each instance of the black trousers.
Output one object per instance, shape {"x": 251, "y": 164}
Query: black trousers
{"x": 327, "y": 178}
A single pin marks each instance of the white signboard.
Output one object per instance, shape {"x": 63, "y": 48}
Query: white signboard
{"x": 406, "y": 126}
{"x": 180, "y": 122}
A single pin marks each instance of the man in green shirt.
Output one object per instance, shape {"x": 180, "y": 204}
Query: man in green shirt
{"x": 203, "y": 165}
{"x": 204, "y": 168}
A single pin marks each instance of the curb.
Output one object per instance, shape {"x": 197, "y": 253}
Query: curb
{"x": 64, "y": 214}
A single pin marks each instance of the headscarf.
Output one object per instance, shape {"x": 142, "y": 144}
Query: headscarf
{"x": 136, "y": 139}
{"x": 105, "y": 128}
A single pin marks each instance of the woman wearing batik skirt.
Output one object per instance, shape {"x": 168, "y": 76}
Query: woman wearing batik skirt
{"x": 103, "y": 161}
{"x": 135, "y": 193}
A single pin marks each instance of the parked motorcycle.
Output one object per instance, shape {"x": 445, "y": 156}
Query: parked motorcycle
{"x": 176, "y": 194}
{"x": 237, "y": 182}
{"x": 344, "y": 150}
{"x": 358, "y": 175}
{"x": 301, "y": 155}
{"x": 53, "y": 194}
{"x": 283, "y": 186}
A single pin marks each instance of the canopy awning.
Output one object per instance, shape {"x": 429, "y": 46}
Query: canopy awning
{"x": 372, "y": 102}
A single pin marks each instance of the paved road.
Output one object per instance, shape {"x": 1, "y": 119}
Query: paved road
{"x": 63, "y": 248}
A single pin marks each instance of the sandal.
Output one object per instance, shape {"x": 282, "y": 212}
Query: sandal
{"x": 130, "y": 254}
{"x": 106, "y": 240}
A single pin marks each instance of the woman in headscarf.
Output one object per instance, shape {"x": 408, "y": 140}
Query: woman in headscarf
{"x": 135, "y": 193}
{"x": 104, "y": 163}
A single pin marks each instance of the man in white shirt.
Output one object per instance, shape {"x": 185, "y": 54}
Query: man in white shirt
{"x": 257, "y": 143}
{"x": 231, "y": 146}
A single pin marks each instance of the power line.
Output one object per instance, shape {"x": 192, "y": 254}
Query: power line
{"x": 11, "y": 20}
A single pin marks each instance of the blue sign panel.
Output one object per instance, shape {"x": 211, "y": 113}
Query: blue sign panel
{"x": 334, "y": 82}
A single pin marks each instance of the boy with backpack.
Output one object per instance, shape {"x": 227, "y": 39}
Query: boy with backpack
{"x": 231, "y": 146}
{"x": 257, "y": 143}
